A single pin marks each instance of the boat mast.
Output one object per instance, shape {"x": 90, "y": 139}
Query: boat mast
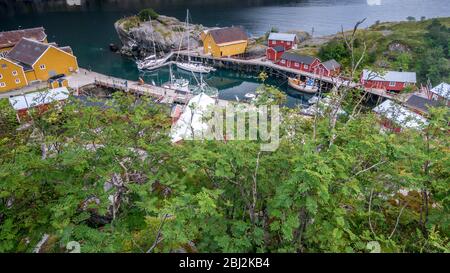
{"x": 188, "y": 34}
{"x": 153, "y": 37}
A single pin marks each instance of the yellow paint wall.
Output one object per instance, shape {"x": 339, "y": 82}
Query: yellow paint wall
{"x": 210, "y": 47}
{"x": 55, "y": 60}
{"x": 6, "y": 70}
{"x": 30, "y": 76}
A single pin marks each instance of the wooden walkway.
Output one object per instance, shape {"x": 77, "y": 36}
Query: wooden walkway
{"x": 161, "y": 94}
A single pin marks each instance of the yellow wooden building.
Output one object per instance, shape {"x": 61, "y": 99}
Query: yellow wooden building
{"x": 8, "y": 39}
{"x": 225, "y": 42}
{"x": 12, "y": 75}
{"x": 36, "y": 61}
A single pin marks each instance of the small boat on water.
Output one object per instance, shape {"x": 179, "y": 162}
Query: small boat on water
{"x": 250, "y": 96}
{"x": 190, "y": 66}
{"x": 178, "y": 84}
{"x": 195, "y": 67}
{"x": 149, "y": 63}
{"x": 203, "y": 87}
{"x": 307, "y": 87}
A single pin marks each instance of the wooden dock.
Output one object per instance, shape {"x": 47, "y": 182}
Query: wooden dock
{"x": 86, "y": 78}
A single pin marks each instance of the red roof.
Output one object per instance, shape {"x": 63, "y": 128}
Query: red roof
{"x": 10, "y": 38}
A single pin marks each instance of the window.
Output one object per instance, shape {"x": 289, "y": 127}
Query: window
{"x": 14, "y": 73}
{"x": 283, "y": 61}
{"x": 17, "y": 81}
{"x": 391, "y": 83}
{"x": 297, "y": 64}
{"x": 2, "y": 84}
{"x": 306, "y": 66}
{"x": 4, "y": 66}
{"x": 42, "y": 66}
{"x": 1, "y": 76}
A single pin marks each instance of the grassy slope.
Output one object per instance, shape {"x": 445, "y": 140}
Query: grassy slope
{"x": 379, "y": 37}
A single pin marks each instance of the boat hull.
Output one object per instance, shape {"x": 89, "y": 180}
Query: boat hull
{"x": 302, "y": 88}
{"x": 195, "y": 69}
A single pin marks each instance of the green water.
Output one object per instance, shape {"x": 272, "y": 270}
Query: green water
{"x": 232, "y": 85}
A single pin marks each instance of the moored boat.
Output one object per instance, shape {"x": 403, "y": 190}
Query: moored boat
{"x": 195, "y": 67}
{"x": 299, "y": 85}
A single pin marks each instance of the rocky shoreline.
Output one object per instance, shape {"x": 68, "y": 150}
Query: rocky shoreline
{"x": 169, "y": 34}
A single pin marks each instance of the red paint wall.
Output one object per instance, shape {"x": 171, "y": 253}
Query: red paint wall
{"x": 301, "y": 66}
{"x": 399, "y": 86}
{"x": 273, "y": 55}
{"x": 285, "y": 44}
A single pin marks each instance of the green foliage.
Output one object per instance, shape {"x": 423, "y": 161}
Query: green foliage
{"x": 221, "y": 196}
{"x": 147, "y": 14}
{"x": 425, "y": 43}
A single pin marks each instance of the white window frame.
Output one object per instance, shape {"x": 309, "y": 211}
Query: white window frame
{"x": 17, "y": 81}
{"x": 14, "y": 73}
{"x": 42, "y": 67}
{"x": 297, "y": 64}
{"x": 2, "y": 84}
{"x": 283, "y": 61}
{"x": 391, "y": 84}
{"x": 306, "y": 66}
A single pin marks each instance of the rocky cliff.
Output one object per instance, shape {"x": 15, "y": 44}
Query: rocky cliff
{"x": 167, "y": 33}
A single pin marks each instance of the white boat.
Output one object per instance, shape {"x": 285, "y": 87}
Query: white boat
{"x": 250, "y": 96}
{"x": 302, "y": 86}
{"x": 190, "y": 66}
{"x": 195, "y": 67}
{"x": 151, "y": 62}
{"x": 178, "y": 84}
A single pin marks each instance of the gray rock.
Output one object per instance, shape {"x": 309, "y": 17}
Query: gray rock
{"x": 169, "y": 33}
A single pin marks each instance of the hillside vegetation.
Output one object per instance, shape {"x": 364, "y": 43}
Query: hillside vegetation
{"x": 406, "y": 46}
{"x": 421, "y": 46}
{"x": 111, "y": 180}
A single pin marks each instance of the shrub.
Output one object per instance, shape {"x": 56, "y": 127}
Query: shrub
{"x": 146, "y": 14}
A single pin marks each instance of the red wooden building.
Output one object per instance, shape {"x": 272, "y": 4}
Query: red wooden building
{"x": 299, "y": 62}
{"x": 274, "y": 53}
{"x": 286, "y": 40}
{"x": 329, "y": 68}
{"x": 389, "y": 81}
{"x": 40, "y": 101}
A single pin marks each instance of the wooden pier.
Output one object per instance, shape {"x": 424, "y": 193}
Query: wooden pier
{"x": 86, "y": 78}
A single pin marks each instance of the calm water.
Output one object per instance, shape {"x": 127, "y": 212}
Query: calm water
{"x": 89, "y": 28}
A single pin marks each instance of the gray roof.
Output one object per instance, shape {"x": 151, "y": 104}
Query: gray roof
{"x": 331, "y": 64}
{"x": 10, "y": 38}
{"x": 422, "y": 104}
{"x": 400, "y": 115}
{"x": 289, "y": 56}
{"x": 288, "y": 37}
{"x": 278, "y": 48}
{"x": 389, "y": 76}
{"x": 27, "y": 51}
{"x": 228, "y": 35}
{"x": 442, "y": 90}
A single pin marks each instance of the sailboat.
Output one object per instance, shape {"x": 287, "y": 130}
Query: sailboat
{"x": 177, "y": 84}
{"x": 191, "y": 66}
{"x": 203, "y": 87}
{"x": 150, "y": 62}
